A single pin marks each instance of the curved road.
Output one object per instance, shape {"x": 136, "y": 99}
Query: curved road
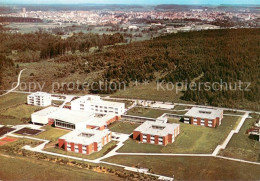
{"x": 18, "y": 83}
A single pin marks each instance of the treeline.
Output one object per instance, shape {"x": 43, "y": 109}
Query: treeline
{"x": 40, "y": 45}
{"x": 81, "y": 42}
{"x": 7, "y": 70}
{"x": 205, "y": 56}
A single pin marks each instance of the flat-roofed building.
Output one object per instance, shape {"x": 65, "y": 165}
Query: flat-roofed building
{"x": 42, "y": 116}
{"x": 85, "y": 141}
{"x": 156, "y": 132}
{"x": 208, "y": 117}
{"x": 94, "y": 104}
{"x": 39, "y": 99}
{"x": 69, "y": 119}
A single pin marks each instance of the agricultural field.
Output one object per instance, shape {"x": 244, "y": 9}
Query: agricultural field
{"x": 190, "y": 139}
{"x": 192, "y": 168}
{"x": 242, "y": 145}
{"x": 31, "y": 169}
{"x": 151, "y": 113}
{"x": 108, "y": 147}
{"x": 123, "y": 127}
{"x": 17, "y": 114}
{"x": 12, "y": 99}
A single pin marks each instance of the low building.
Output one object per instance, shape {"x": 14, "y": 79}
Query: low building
{"x": 39, "y": 99}
{"x": 85, "y": 141}
{"x": 208, "y": 117}
{"x": 69, "y": 119}
{"x": 255, "y": 130}
{"x": 156, "y": 133}
{"x": 42, "y": 116}
{"x": 94, "y": 104}
{"x": 132, "y": 27}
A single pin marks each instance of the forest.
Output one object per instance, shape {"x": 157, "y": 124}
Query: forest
{"x": 227, "y": 55}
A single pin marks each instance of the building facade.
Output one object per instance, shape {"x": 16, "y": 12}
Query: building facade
{"x": 42, "y": 116}
{"x": 39, "y": 99}
{"x": 204, "y": 117}
{"x": 156, "y": 133}
{"x": 86, "y": 142}
{"x": 94, "y": 104}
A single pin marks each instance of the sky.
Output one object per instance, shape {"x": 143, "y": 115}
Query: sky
{"x": 152, "y": 2}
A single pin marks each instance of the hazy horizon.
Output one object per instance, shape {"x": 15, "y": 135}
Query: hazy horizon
{"x": 137, "y": 2}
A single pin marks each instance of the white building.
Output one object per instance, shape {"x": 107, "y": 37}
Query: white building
{"x": 42, "y": 116}
{"x": 39, "y": 99}
{"x": 94, "y": 104}
{"x": 132, "y": 27}
{"x": 71, "y": 119}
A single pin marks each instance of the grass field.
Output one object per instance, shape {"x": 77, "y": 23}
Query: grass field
{"x": 151, "y": 113}
{"x": 23, "y": 168}
{"x": 192, "y": 139}
{"x": 149, "y": 92}
{"x": 12, "y": 99}
{"x": 51, "y": 133}
{"x": 123, "y": 127}
{"x": 192, "y": 168}
{"x": 233, "y": 112}
{"x": 18, "y": 114}
{"x": 92, "y": 156}
{"x": 242, "y": 145}
{"x": 19, "y": 143}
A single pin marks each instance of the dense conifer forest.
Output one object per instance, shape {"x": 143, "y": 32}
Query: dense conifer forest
{"x": 207, "y": 56}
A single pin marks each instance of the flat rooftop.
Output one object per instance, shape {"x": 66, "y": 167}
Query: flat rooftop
{"x": 46, "y": 112}
{"x": 100, "y": 120}
{"x": 96, "y": 100}
{"x": 157, "y": 128}
{"x": 72, "y": 116}
{"x": 86, "y": 136}
{"x": 39, "y": 94}
{"x": 204, "y": 113}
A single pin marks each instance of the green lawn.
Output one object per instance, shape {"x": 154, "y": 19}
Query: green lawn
{"x": 18, "y": 144}
{"x": 18, "y": 114}
{"x": 108, "y": 147}
{"x": 123, "y": 127}
{"x": 192, "y": 139}
{"x": 151, "y": 113}
{"x": 149, "y": 92}
{"x": 192, "y": 168}
{"x": 52, "y": 133}
{"x": 23, "y": 168}
{"x": 12, "y": 99}
{"x": 180, "y": 107}
{"x": 242, "y": 145}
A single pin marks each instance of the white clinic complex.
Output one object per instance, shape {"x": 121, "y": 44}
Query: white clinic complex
{"x": 96, "y": 105}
